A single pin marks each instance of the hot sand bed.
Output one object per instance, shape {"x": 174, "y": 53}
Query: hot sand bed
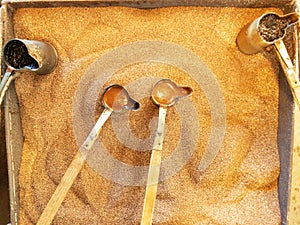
{"x": 241, "y": 184}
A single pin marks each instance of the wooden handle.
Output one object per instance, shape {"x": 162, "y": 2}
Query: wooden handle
{"x": 151, "y": 189}
{"x": 62, "y": 190}
{"x": 154, "y": 169}
{"x": 289, "y": 70}
{"x": 72, "y": 172}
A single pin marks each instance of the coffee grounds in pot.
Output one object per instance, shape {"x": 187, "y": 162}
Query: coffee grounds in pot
{"x": 271, "y": 27}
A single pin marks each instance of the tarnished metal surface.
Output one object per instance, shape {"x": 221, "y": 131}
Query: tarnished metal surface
{"x": 285, "y": 132}
{"x": 14, "y": 145}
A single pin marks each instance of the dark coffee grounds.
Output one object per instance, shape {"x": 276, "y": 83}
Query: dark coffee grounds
{"x": 16, "y": 55}
{"x": 271, "y": 27}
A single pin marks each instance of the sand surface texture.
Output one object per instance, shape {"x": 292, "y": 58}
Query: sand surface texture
{"x": 240, "y": 187}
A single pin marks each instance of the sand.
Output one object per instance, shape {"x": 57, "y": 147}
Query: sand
{"x": 239, "y": 187}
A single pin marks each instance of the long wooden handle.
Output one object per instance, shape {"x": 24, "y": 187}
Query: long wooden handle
{"x": 62, "y": 190}
{"x": 74, "y": 168}
{"x": 289, "y": 70}
{"x": 154, "y": 169}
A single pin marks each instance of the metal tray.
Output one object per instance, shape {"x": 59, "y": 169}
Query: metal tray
{"x": 13, "y": 129}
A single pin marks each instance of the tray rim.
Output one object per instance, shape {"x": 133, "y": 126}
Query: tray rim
{"x": 150, "y": 3}
{"x": 11, "y": 109}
